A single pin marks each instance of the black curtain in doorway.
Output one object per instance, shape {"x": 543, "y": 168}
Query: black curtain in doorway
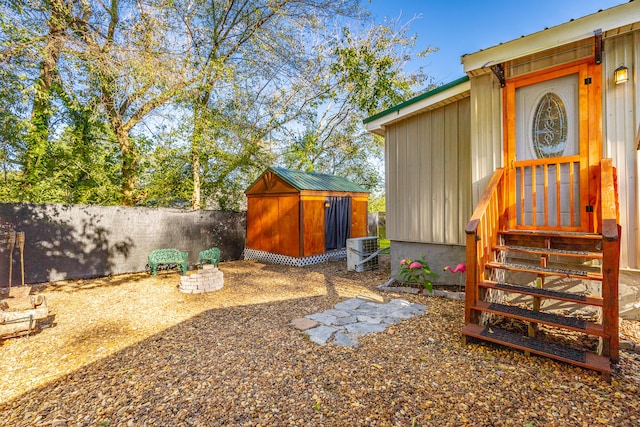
{"x": 337, "y": 220}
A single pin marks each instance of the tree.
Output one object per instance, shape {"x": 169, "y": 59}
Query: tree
{"x": 234, "y": 40}
{"x": 365, "y": 75}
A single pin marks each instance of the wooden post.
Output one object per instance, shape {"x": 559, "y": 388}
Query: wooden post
{"x": 11, "y": 241}
{"x": 471, "y": 288}
{"x": 20, "y": 242}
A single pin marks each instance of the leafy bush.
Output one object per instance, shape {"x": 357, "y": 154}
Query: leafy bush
{"x": 417, "y": 271}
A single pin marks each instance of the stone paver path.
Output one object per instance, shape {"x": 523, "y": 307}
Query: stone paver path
{"x": 343, "y": 324}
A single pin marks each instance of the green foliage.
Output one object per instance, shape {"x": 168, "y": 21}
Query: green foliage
{"x": 417, "y": 271}
{"x": 377, "y": 203}
{"x": 85, "y": 94}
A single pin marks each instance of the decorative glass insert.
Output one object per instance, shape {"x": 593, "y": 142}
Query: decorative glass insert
{"x": 549, "y": 130}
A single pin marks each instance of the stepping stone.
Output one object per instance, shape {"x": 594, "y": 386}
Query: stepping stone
{"x": 350, "y": 304}
{"x": 362, "y": 328}
{"x": 345, "y": 340}
{"x": 320, "y": 334}
{"x": 337, "y": 313}
{"x": 302, "y": 323}
{"x": 323, "y": 317}
{"x": 369, "y": 319}
{"x": 341, "y": 321}
{"x": 354, "y": 317}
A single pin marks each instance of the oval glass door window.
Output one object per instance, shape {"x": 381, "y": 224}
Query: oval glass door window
{"x": 549, "y": 130}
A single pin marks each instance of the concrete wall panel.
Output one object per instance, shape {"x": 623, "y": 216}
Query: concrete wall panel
{"x": 65, "y": 242}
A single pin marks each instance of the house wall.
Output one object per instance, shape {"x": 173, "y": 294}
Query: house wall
{"x": 437, "y": 256}
{"x": 621, "y": 111}
{"x": 486, "y": 131}
{"x": 428, "y": 179}
{"x": 621, "y": 107}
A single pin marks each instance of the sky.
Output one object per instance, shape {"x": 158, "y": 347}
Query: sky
{"x": 467, "y": 26}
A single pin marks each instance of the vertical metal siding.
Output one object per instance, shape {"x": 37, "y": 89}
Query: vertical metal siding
{"x": 486, "y": 131}
{"x": 621, "y": 116}
{"x": 428, "y": 176}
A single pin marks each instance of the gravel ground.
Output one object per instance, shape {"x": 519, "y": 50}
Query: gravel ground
{"x": 134, "y": 351}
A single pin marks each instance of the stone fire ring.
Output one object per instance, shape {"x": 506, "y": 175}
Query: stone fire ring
{"x": 208, "y": 279}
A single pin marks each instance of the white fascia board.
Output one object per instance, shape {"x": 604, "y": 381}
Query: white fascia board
{"x": 579, "y": 29}
{"x": 377, "y": 126}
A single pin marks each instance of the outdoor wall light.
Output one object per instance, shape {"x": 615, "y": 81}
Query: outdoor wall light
{"x": 621, "y": 75}
{"x": 327, "y": 204}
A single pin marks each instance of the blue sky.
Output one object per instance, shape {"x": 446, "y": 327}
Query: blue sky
{"x": 466, "y": 26}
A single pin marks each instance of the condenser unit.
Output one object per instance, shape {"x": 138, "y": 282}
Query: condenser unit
{"x": 362, "y": 254}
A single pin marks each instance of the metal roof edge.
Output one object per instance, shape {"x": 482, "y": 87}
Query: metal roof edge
{"x": 281, "y": 173}
{"x": 567, "y": 32}
{"x": 417, "y": 99}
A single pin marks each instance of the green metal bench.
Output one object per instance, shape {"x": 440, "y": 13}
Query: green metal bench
{"x": 167, "y": 257}
{"x": 210, "y": 255}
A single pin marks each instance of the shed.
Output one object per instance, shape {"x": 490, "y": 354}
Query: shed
{"x": 301, "y": 218}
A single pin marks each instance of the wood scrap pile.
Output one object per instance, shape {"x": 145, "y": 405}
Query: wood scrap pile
{"x": 19, "y": 311}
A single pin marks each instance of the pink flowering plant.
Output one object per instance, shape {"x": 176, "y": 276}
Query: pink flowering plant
{"x": 417, "y": 271}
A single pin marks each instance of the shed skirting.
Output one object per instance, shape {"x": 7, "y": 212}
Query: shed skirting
{"x": 256, "y": 255}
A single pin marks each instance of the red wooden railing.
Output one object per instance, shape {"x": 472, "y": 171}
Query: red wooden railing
{"x": 482, "y": 236}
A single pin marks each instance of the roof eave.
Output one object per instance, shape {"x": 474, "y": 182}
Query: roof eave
{"x": 377, "y": 123}
{"x": 568, "y": 32}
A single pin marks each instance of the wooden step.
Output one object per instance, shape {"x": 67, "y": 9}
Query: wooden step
{"x": 544, "y": 293}
{"x": 549, "y": 251}
{"x": 552, "y": 350}
{"x": 543, "y": 317}
{"x": 548, "y": 233}
{"x": 546, "y": 271}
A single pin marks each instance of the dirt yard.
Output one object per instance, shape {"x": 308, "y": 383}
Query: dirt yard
{"x": 134, "y": 351}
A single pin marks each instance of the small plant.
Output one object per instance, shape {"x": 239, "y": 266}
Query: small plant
{"x": 417, "y": 271}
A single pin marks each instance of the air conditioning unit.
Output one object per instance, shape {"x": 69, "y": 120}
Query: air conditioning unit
{"x": 362, "y": 254}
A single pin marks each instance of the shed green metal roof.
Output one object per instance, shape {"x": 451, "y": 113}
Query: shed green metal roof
{"x": 317, "y": 181}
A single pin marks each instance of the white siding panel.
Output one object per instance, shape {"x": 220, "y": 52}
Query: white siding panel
{"x": 486, "y": 131}
{"x": 621, "y": 107}
{"x": 428, "y": 176}
{"x": 425, "y": 179}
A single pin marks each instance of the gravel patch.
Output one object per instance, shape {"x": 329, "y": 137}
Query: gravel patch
{"x": 135, "y": 351}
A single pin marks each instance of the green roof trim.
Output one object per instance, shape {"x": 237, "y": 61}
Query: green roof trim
{"x": 417, "y": 99}
{"x": 317, "y": 181}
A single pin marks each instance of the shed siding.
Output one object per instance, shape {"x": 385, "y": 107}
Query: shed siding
{"x": 359, "y": 217}
{"x": 428, "y": 179}
{"x": 313, "y": 208}
{"x": 622, "y": 118}
{"x": 272, "y": 224}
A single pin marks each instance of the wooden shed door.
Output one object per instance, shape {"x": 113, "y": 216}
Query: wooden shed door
{"x": 548, "y": 149}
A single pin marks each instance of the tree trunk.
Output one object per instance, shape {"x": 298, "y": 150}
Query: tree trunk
{"x": 38, "y": 137}
{"x": 130, "y": 162}
{"x": 196, "y": 147}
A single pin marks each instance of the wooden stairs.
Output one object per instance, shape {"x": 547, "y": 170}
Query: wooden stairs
{"x": 539, "y": 283}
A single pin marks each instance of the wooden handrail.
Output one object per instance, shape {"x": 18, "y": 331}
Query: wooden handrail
{"x": 482, "y": 235}
{"x": 608, "y": 205}
{"x": 481, "y": 208}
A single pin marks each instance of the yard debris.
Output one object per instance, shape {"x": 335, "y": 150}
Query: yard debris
{"x": 161, "y": 357}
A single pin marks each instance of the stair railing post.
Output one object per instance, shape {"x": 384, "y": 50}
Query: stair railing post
{"x": 611, "y": 232}
{"x": 471, "y": 286}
